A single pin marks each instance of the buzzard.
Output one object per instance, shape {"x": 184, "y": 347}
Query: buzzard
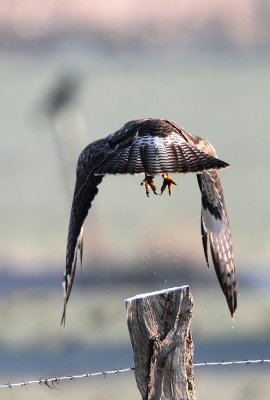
{"x": 151, "y": 147}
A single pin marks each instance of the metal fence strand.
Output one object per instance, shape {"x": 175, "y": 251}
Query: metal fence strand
{"x": 51, "y": 382}
{"x": 226, "y": 363}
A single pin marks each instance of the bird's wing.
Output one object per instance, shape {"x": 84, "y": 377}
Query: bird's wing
{"x": 215, "y": 227}
{"x": 84, "y": 193}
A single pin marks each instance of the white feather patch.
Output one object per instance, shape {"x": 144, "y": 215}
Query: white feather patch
{"x": 211, "y": 223}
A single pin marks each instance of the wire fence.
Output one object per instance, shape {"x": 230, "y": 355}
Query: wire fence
{"x": 52, "y": 382}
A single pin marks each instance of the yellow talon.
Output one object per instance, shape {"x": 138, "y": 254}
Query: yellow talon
{"x": 167, "y": 181}
{"x": 148, "y": 182}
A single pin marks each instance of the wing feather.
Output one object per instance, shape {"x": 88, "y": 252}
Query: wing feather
{"x": 84, "y": 193}
{"x": 204, "y": 240}
{"x": 215, "y": 227}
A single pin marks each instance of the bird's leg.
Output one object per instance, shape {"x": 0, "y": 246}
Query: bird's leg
{"x": 167, "y": 181}
{"x": 148, "y": 182}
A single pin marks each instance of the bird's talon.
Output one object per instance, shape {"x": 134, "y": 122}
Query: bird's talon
{"x": 167, "y": 181}
{"x": 148, "y": 182}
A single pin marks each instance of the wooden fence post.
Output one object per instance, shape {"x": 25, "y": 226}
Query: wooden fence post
{"x": 159, "y": 328}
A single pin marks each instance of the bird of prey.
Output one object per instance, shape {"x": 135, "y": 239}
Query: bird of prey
{"x": 152, "y": 147}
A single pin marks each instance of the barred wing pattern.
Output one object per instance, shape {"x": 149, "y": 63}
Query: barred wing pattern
{"x": 150, "y": 146}
{"x": 215, "y": 227}
{"x": 81, "y": 204}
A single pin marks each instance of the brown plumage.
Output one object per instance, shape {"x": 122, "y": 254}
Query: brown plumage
{"x": 152, "y": 147}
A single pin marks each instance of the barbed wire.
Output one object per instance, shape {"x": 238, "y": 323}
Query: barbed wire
{"x": 52, "y": 382}
{"x": 225, "y": 363}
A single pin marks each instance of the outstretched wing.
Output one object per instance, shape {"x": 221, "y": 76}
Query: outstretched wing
{"x": 215, "y": 227}
{"x": 84, "y": 193}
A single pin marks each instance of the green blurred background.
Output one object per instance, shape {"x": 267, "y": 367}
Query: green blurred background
{"x": 71, "y": 73}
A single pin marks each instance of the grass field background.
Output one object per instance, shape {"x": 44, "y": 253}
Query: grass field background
{"x": 132, "y": 244}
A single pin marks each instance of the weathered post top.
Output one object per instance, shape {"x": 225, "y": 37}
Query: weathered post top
{"x": 159, "y": 328}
